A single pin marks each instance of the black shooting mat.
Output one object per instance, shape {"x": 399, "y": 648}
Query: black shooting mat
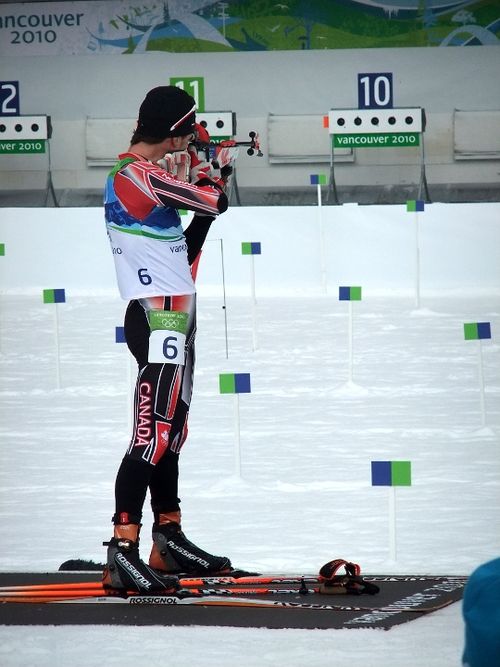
{"x": 402, "y": 598}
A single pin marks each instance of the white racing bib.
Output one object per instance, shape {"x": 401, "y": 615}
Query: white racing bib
{"x": 168, "y": 337}
{"x": 148, "y": 265}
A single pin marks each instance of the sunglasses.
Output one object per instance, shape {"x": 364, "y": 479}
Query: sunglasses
{"x": 181, "y": 120}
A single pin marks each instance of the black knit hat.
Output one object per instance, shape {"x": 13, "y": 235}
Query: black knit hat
{"x": 167, "y": 111}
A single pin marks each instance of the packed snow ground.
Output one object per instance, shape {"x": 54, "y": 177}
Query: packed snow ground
{"x": 307, "y": 437}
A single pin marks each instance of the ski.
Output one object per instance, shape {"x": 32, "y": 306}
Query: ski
{"x": 328, "y": 576}
{"x": 258, "y": 584}
{"x": 240, "y": 588}
{"x": 51, "y": 594}
{"x": 224, "y": 600}
{"x": 44, "y": 592}
{"x": 188, "y": 582}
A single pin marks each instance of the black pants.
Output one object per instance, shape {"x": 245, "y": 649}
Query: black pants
{"x": 161, "y": 405}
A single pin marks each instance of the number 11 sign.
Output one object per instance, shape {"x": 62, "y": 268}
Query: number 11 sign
{"x": 194, "y": 85}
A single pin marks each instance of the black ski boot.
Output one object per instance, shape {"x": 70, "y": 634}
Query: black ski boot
{"x": 172, "y": 552}
{"x": 125, "y": 571}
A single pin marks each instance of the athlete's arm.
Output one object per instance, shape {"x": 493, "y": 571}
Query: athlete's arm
{"x": 140, "y": 186}
{"x": 195, "y": 235}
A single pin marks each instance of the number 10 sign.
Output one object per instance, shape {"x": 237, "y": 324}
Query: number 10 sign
{"x": 375, "y": 91}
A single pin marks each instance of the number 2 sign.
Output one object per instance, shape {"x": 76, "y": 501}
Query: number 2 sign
{"x": 375, "y": 91}
{"x": 9, "y": 98}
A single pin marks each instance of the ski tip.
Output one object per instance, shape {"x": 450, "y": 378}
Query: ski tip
{"x": 80, "y": 565}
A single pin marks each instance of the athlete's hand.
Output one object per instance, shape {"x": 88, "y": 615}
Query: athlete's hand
{"x": 203, "y": 172}
{"x": 178, "y": 164}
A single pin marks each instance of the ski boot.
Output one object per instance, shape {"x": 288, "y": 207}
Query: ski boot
{"x": 125, "y": 571}
{"x": 172, "y": 552}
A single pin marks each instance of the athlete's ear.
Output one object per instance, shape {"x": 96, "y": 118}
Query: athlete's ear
{"x": 177, "y": 142}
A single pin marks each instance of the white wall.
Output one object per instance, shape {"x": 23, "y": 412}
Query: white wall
{"x": 254, "y": 84}
{"x": 371, "y": 246}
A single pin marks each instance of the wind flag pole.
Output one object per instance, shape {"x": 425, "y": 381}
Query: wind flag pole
{"x": 350, "y": 294}
{"x": 391, "y": 474}
{"x": 224, "y": 304}
{"x": 318, "y": 180}
{"x": 252, "y": 248}
{"x": 56, "y": 296}
{"x": 416, "y": 206}
{"x": 479, "y": 331}
{"x": 235, "y": 383}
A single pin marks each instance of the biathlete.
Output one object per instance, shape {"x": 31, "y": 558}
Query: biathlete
{"x": 155, "y": 263}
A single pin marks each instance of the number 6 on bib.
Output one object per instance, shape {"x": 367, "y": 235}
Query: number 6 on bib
{"x": 168, "y": 337}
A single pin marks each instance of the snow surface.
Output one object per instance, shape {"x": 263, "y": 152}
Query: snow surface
{"x": 307, "y": 437}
